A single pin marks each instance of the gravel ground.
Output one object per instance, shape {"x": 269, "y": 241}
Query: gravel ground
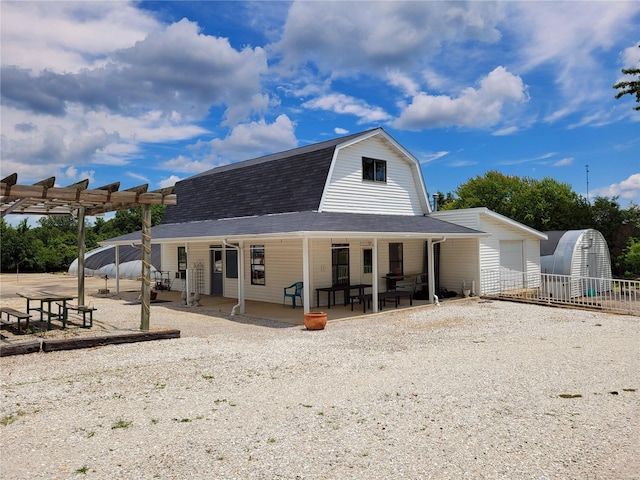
{"x": 467, "y": 390}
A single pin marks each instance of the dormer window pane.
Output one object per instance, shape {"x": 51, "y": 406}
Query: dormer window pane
{"x": 374, "y": 170}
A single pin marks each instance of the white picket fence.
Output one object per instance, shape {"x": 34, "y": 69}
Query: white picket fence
{"x": 608, "y": 294}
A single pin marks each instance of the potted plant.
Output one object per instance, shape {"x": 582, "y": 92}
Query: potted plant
{"x": 315, "y": 320}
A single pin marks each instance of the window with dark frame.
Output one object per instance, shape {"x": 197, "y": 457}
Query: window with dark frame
{"x": 257, "y": 265}
{"x": 396, "y": 264}
{"x": 367, "y": 260}
{"x": 374, "y": 170}
{"x": 232, "y": 263}
{"x": 340, "y": 264}
{"x": 182, "y": 263}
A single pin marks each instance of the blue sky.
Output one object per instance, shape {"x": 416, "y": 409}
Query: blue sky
{"x": 154, "y": 92}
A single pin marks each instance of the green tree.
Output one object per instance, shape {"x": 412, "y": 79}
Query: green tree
{"x": 630, "y": 87}
{"x": 19, "y": 251}
{"x": 632, "y": 258}
{"x": 127, "y": 221}
{"x": 617, "y": 226}
{"x": 541, "y": 204}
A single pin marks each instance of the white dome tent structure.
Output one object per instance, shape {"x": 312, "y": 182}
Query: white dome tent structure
{"x": 102, "y": 262}
{"x": 577, "y": 261}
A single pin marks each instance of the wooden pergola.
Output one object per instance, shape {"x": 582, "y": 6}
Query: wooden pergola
{"x": 44, "y": 198}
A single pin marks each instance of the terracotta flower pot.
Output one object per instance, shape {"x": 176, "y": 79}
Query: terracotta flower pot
{"x": 315, "y": 320}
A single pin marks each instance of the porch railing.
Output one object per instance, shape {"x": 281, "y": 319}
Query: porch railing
{"x": 608, "y": 294}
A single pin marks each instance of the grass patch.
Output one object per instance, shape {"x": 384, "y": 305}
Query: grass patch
{"x": 82, "y": 470}
{"x": 121, "y": 424}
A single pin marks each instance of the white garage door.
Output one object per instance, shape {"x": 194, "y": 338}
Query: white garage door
{"x": 511, "y": 255}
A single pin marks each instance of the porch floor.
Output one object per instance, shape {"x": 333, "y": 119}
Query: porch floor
{"x": 275, "y": 311}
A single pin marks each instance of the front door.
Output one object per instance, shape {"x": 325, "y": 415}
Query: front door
{"x": 216, "y": 271}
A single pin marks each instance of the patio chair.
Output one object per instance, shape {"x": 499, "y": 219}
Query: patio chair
{"x": 293, "y": 291}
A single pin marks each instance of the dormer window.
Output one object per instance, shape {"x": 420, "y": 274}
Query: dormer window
{"x": 374, "y": 170}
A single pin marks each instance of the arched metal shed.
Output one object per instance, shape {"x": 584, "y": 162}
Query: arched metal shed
{"x": 577, "y": 253}
{"x": 102, "y": 261}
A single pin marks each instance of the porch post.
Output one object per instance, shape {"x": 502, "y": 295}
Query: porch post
{"x": 81, "y": 248}
{"x": 306, "y": 278}
{"x": 431, "y": 270}
{"x": 374, "y": 288}
{"x": 241, "y": 277}
{"x": 117, "y": 269}
{"x": 145, "y": 314}
{"x": 187, "y": 283}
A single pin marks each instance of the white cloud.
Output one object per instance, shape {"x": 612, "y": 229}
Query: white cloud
{"x": 184, "y": 164}
{"x": 255, "y": 139}
{"x": 347, "y": 38}
{"x": 564, "y": 162}
{"x": 403, "y": 82}
{"x": 340, "y": 131}
{"x": 169, "y": 182}
{"x": 432, "y": 157}
{"x": 628, "y": 189}
{"x": 344, "y": 104}
{"x": 138, "y": 176}
{"x": 505, "y": 131}
{"x": 66, "y": 37}
{"x": 476, "y": 108}
{"x": 570, "y": 39}
{"x": 631, "y": 56}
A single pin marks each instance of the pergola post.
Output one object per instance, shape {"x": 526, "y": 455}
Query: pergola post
{"x": 146, "y": 267}
{"x": 81, "y": 249}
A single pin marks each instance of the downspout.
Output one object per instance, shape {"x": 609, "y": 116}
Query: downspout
{"x": 240, "y": 295}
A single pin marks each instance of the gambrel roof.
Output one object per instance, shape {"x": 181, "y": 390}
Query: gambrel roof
{"x": 290, "y": 181}
{"x": 281, "y": 194}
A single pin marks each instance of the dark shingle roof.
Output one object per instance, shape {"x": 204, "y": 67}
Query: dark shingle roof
{"x": 289, "y": 223}
{"x": 290, "y": 181}
{"x": 548, "y": 247}
{"x": 98, "y": 258}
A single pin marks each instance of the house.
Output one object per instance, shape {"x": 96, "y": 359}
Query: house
{"x": 581, "y": 254}
{"x": 351, "y": 211}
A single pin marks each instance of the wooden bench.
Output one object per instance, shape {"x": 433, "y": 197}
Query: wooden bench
{"x": 63, "y": 309}
{"x": 12, "y": 312}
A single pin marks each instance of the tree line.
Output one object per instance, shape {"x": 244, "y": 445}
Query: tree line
{"x": 53, "y": 245}
{"x": 544, "y": 205}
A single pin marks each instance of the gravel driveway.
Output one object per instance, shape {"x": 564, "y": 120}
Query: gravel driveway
{"x": 467, "y": 390}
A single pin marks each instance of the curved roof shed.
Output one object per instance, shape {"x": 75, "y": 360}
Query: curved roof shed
{"x": 580, "y": 253}
{"x": 102, "y": 261}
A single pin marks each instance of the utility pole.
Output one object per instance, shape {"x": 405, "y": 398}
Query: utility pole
{"x": 587, "y": 167}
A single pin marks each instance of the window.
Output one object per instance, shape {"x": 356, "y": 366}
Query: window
{"x": 340, "y": 264}
{"x": 374, "y": 170}
{"x": 396, "y": 266}
{"x": 257, "y": 265}
{"x": 182, "y": 263}
{"x": 367, "y": 260}
{"x": 232, "y": 263}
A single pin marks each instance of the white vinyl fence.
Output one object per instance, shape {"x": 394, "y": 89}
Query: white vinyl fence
{"x": 622, "y": 296}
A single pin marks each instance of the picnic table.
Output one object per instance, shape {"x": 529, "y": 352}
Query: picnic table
{"x": 44, "y": 302}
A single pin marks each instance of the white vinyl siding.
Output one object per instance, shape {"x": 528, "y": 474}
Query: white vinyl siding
{"x": 511, "y": 255}
{"x": 283, "y": 267}
{"x": 458, "y": 264}
{"x": 348, "y": 192}
{"x": 196, "y": 253}
{"x": 489, "y": 247}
